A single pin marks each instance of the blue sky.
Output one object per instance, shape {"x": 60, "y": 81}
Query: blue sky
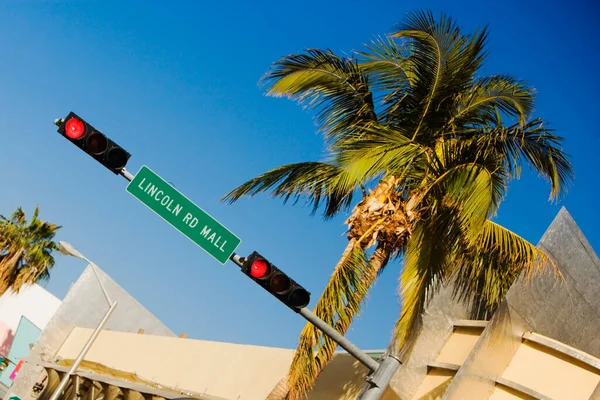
{"x": 175, "y": 83}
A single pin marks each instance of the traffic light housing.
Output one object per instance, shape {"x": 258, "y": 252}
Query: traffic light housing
{"x": 274, "y": 281}
{"x": 89, "y": 139}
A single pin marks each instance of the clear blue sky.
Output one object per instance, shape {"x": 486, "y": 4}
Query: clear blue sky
{"x": 175, "y": 83}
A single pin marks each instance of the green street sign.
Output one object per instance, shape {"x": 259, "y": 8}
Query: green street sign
{"x": 183, "y": 214}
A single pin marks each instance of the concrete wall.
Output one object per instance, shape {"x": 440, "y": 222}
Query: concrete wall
{"x": 226, "y": 370}
{"x": 343, "y": 378}
{"x": 453, "y": 353}
{"x": 221, "y": 370}
{"x": 438, "y": 324}
{"x": 551, "y": 373}
{"x": 490, "y": 356}
{"x": 458, "y": 346}
{"x": 566, "y": 310}
{"x": 83, "y": 306}
{"x": 34, "y": 302}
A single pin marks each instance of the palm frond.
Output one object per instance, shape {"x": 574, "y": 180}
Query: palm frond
{"x": 443, "y": 62}
{"x": 26, "y": 250}
{"x": 385, "y": 62}
{"x": 490, "y": 266}
{"x": 380, "y": 149}
{"x": 430, "y": 42}
{"x": 468, "y": 190}
{"x": 313, "y": 181}
{"x": 335, "y": 86}
{"x": 533, "y": 144}
{"x": 336, "y": 303}
{"x": 458, "y": 153}
{"x": 498, "y": 92}
{"x": 425, "y": 260}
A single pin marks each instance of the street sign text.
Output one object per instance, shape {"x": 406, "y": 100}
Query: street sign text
{"x": 183, "y": 214}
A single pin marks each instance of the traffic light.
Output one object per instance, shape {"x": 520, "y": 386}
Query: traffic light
{"x": 93, "y": 142}
{"x": 275, "y": 282}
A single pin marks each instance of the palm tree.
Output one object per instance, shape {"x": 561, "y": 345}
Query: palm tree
{"x": 430, "y": 146}
{"x": 25, "y": 250}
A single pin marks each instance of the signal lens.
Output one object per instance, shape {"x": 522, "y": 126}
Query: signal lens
{"x": 116, "y": 158}
{"x": 299, "y": 298}
{"x": 74, "y": 128}
{"x": 96, "y": 143}
{"x": 280, "y": 284}
{"x": 260, "y": 269}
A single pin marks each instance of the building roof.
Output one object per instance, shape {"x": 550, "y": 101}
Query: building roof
{"x": 100, "y": 373}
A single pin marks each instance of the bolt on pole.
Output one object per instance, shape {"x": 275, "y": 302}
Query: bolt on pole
{"x": 379, "y": 380}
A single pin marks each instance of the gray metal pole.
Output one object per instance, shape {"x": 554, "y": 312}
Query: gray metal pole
{"x": 126, "y": 174}
{"x": 329, "y": 331}
{"x": 94, "y": 269}
{"x": 379, "y": 380}
{"x": 344, "y": 343}
{"x": 67, "y": 248}
{"x": 86, "y": 348}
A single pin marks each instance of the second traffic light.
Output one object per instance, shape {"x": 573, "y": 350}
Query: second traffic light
{"x": 93, "y": 142}
{"x": 275, "y": 282}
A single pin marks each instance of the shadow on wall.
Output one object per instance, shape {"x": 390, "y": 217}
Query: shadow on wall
{"x": 443, "y": 378}
{"x": 6, "y": 339}
{"x": 343, "y": 379}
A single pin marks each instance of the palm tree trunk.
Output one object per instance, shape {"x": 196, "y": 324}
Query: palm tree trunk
{"x": 307, "y": 364}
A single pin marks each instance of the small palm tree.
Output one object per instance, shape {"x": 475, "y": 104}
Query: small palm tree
{"x": 430, "y": 146}
{"x": 25, "y": 250}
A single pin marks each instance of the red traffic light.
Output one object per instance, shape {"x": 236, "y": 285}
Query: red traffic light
{"x": 93, "y": 142}
{"x": 275, "y": 281}
{"x": 260, "y": 269}
{"x": 74, "y": 128}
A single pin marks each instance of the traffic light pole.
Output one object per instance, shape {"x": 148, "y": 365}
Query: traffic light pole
{"x": 380, "y": 373}
{"x": 126, "y": 174}
{"x": 344, "y": 343}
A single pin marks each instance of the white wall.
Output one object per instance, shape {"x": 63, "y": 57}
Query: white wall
{"x": 34, "y": 302}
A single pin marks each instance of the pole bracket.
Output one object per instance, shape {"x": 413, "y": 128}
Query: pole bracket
{"x": 388, "y": 365}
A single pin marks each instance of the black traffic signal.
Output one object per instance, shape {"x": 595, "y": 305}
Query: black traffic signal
{"x": 275, "y": 282}
{"x": 93, "y": 142}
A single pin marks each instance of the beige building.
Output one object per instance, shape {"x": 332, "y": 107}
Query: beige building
{"x": 542, "y": 343}
{"x": 187, "y": 367}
